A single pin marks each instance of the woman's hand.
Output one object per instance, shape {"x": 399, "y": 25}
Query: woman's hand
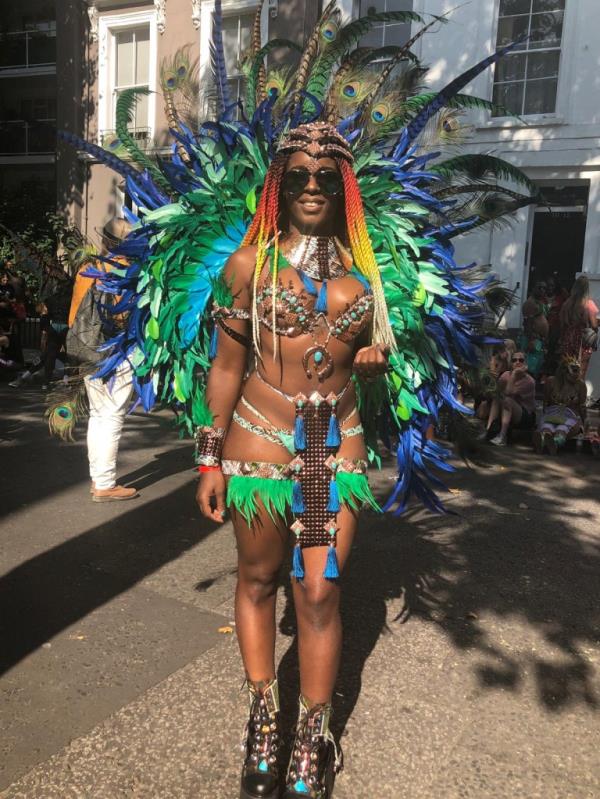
{"x": 210, "y": 495}
{"x": 370, "y": 362}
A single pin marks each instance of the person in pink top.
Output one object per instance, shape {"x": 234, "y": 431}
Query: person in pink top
{"x": 515, "y": 404}
{"x": 579, "y": 325}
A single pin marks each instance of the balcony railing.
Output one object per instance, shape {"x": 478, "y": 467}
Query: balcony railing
{"x": 18, "y": 137}
{"x": 27, "y": 49}
{"x": 110, "y": 140}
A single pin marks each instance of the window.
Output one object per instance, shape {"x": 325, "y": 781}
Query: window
{"x": 132, "y": 68}
{"x": 237, "y": 33}
{"x": 389, "y": 33}
{"x": 127, "y": 58}
{"x": 526, "y": 80}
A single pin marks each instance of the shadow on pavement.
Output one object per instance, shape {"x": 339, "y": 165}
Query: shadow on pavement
{"x": 536, "y": 564}
{"x": 49, "y": 592}
{"x": 45, "y": 594}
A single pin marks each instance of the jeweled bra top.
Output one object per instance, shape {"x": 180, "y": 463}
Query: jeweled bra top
{"x": 300, "y": 312}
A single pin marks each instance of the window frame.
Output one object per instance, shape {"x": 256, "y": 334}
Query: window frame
{"x": 561, "y": 111}
{"x": 384, "y": 25}
{"x": 108, "y": 27}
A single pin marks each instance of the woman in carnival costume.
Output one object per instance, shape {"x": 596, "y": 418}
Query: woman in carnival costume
{"x": 290, "y": 333}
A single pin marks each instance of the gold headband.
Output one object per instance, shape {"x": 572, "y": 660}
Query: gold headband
{"x": 318, "y": 140}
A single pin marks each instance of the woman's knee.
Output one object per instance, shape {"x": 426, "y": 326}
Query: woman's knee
{"x": 317, "y": 601}
{"x": 257, "y": 583}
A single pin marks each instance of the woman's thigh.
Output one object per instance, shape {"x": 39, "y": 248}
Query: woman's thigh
{"x": 515, "y": 408}
{"x": 262, "y": 545}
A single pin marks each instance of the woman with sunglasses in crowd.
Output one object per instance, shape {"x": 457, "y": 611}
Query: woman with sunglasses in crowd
{"x": 307, "y": 316}
{"x": 565, "y": 396}
{"x": 514, "y": 405}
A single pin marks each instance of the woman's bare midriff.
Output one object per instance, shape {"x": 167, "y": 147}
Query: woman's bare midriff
{"x": 240, "y": 444}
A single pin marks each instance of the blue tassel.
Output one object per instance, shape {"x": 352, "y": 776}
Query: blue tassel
{"x": 321, "y": 303}
{"x": 299, "y": 433}
{"x": 308, "y": 284}
{"x": 332, "y": 571}
{"x": 333, "y": 506}
{"x": 298, "y": 505}
{"x": 298, "y": 563}
{"x": 212, "y": 350}
{"x": 333, "y": 433}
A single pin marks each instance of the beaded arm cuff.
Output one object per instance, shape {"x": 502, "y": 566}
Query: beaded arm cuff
{"x": 209, "y": 443}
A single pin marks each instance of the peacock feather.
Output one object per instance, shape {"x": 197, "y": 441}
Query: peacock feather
{"x": 65, "y": 406}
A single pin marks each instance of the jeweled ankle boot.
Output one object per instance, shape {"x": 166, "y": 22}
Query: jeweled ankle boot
{"x": 261, "y": 743}
{"x": 315, "y": 757}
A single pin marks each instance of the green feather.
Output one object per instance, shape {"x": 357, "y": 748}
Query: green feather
{"x": 480, "y": 166}
{"x": 354, "y": 490}
{"x": 124, "y": 116}
{"x": 245, "y": 492}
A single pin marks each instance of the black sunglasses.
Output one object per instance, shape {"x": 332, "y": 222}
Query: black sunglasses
{"x": 518, "y": 360}
{"x": 328, "y": 180}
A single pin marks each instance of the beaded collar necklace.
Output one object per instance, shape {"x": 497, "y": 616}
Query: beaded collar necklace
{"x": 316, "y": 256}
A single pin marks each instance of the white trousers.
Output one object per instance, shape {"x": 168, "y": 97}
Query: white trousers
{"x": 109, "y": 403}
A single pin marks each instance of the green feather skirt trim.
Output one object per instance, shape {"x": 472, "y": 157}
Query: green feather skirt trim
{"x": 244, "y": 492}
{"x": 354, "y": 490}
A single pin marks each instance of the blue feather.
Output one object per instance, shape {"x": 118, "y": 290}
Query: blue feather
{"x": 217, "y": 54}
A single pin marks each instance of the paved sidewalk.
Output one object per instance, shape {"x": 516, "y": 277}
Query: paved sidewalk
{"x": 472, "y": 643}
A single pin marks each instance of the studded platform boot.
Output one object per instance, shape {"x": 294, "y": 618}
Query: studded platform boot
{"x": 261, "y": 743}
{"x": 315, "y": 757}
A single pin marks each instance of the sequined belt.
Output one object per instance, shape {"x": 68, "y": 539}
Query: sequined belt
{"x": 287, "y": 471}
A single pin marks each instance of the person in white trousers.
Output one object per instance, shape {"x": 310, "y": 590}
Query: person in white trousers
{"x": 108, "y": 400}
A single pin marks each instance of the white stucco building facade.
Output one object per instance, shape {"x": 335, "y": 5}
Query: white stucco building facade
{"x": 558, "y": 148}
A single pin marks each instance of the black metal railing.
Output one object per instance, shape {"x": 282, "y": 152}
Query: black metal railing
{"x": 18, "y": 137}
{"x": 27, "y": 49}
{"x": 30, "y": 333}
{"x": 110, "y": 140}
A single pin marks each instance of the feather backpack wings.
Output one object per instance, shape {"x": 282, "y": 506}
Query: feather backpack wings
{"x": 418, "y": 192}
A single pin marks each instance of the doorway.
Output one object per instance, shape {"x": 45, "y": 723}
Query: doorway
{"x": 558, "y": 235}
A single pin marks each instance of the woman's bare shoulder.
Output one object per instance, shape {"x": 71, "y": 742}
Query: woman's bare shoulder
{"x": 241, "y": 263}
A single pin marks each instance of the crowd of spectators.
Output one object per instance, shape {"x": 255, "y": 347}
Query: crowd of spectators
{"x": 539, "y": 385}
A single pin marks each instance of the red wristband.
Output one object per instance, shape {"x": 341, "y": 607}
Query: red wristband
{"x": 209, "y": 469}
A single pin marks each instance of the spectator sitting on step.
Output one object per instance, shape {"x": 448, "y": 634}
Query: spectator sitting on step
{"x": 514, "y": 407}
{"x": 565, "y": 395}
{"x": 498, "y": 364}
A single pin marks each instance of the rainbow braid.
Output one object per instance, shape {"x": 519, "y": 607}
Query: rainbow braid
{"x": 263, "y": 229}
{"x": 363, "y": 254}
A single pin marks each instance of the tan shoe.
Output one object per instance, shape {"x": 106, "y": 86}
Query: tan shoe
{"x": 115, "y": 494}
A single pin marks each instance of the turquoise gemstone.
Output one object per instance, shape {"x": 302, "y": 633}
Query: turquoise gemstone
{"x": 318, "y": 357}
{"x": 301, "y": 787}
{"x": 263, "y": 766}
{"x": 293, "y": 300}
{"x": 353, "y": 315}
{"x": 346, "y": 323}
